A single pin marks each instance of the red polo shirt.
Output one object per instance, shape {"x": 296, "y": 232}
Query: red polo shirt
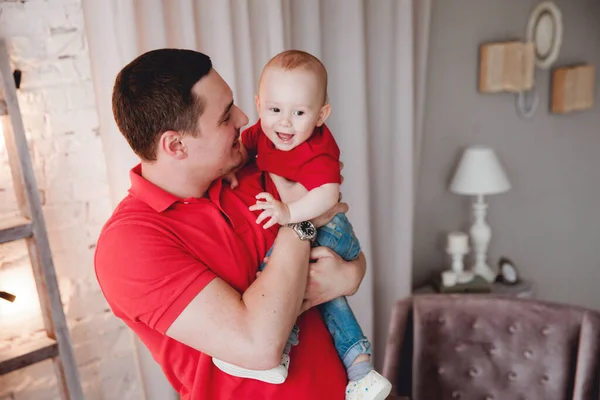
{"x": 157, "y": 252}
{"x": 312, "y": 163}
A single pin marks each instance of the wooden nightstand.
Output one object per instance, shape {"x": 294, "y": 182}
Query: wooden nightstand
{"x": 523, "y": 289}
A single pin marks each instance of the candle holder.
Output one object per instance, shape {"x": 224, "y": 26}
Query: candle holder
{"x": 457, "y": 247}
{"x": 457, "y": 267}
{"x": 456, "y": 279}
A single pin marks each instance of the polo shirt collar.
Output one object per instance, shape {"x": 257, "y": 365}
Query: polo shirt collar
{"x": 148, "y": 192}
{"x": 160, "y": 199}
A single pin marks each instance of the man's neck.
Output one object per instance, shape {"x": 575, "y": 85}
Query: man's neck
{"x": 175, "y": 181}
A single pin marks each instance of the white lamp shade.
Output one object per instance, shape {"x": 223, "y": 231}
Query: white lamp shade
{"x": 479, "y": 172}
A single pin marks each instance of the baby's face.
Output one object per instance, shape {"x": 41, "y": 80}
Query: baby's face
{"x": 290, "y": 106}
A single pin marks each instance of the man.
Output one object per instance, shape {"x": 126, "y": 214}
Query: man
{"x": 177, "y": 260}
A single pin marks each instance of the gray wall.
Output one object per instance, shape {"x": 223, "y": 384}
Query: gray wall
{"x": 549, "y": 223}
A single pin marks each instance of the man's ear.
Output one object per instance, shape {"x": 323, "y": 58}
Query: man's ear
{"x": 323, "y": 114}
{"x": 257, "y": 102}
{"x": 171, "y": 144}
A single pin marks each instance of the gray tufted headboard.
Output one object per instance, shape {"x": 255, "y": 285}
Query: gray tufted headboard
{"x": 478, "y": 347}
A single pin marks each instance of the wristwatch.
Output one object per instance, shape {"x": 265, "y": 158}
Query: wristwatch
{"x": 305, "y": 230}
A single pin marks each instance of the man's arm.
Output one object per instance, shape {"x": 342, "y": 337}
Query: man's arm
{"x": 249, "y": 330}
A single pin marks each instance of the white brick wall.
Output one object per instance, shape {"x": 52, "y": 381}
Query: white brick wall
{"x": 47, "y": 42}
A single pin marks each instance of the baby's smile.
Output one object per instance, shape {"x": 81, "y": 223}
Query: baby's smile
{"x": 285, "y": 137}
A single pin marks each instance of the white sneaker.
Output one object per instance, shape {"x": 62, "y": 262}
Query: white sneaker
{"x": 275, "y": 375}
{"x": 371, "y": 387}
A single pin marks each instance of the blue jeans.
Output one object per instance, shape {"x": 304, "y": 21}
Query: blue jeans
{"x": 347, "y": 335}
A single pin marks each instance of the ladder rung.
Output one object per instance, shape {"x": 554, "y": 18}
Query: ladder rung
{"x": 15, "y": 228}
{"x": 21, "y": 356}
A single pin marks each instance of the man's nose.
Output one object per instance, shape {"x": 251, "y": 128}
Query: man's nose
{"x": 242, "y": 118}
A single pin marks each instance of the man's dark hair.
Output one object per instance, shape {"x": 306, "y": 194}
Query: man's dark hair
{"x": 153, "y": 94}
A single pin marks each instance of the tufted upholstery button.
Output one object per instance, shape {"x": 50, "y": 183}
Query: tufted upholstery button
{"x": 546, "y": 330}
{"x": 474, "y": 371}
{"x": 512, "y": 328}
{"x": 528, "y": 353}
{"x": 456, "y": 394}
{"x": 489, "y": 397}
{"x": 512, "y": 376}
{"x": 545, "y": 379}
{"x": 493, "y": 350}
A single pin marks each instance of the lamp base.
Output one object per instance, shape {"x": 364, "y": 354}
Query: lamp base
{"x": 481, "y": 233}
{"x": 485, "y": 272}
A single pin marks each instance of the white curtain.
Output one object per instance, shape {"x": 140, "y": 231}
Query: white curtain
{"x": 375, "y": 52}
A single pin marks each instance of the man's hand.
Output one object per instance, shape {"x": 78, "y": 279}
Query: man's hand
{"x": 231, "y": 179}
{"x": 277, "y": 211}
{"x": 330, "y": 277}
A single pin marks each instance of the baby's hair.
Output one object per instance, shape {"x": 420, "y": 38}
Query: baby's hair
{"x": 294, "y": 59}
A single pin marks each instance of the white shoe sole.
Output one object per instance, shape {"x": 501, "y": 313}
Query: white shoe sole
{"x": 378, "y": 392}
{"x": 275, "y": 376}
{"x": 383, "y": 391}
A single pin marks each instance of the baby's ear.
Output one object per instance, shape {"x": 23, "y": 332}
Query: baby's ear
{"x": 324, "y": 114}
{"x": 257, "y": 102}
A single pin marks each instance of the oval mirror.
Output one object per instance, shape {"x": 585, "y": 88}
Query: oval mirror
{"x": 545, "y": 30}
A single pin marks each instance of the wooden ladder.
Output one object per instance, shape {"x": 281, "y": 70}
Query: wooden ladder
{"x": 31, "y": 227}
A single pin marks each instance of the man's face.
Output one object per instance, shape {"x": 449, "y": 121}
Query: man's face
{"x": 215, "y": 151}
{"x": 289, "y": 104}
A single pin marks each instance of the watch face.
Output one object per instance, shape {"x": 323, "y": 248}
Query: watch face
{"x": 307, "y": 228}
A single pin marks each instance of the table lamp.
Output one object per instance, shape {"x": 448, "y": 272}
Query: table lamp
{"x": 479, "y": 173}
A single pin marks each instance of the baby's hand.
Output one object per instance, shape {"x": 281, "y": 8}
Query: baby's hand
{"x": 232, "y": 179}
{"x": 278, "y": 212}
